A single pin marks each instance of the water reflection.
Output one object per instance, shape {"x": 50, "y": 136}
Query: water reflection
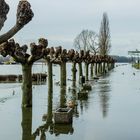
{"x": 63, "y": 129}
{"x": 41, "y": 131}
{"x": 104, "y": 89}
{"x": 50, "y": 126}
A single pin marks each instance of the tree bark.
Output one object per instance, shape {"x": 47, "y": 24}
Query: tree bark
{"x": 50, "y": 79}
{"x": 104, "y": 65}
{"x": 74, "y": 71}
{"x": 4, "y": 8}
{"x": 63, "y": 97}
{"x": 50, "y": 105}
{"x": 91, "y": 69}
{"x": 63, "y": 74}
{"x": 80, "y": 70}
{"x": 26, "y": 123}
{"x": 27, "y": 85}
{"x": 96, "y": 68}
{"x": 86, "y": 71}
{"x": 10, "y": 33}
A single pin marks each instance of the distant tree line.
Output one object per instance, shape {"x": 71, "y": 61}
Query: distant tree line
{"x": 122, "y": 59}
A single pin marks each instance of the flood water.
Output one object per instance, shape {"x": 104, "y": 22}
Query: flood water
{"x": 111, "y": 111}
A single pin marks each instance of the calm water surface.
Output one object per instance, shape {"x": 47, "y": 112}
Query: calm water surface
{"x": 111, "y": 111}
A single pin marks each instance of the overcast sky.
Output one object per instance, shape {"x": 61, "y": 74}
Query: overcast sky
{"x": 61, "y": 20}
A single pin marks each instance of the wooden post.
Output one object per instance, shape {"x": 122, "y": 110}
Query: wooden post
{"x": 26, "y": 85}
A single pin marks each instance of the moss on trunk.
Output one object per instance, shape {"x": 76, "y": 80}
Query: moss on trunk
{"x": 26, "y": 85}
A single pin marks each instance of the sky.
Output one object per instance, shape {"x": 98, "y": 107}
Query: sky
{"x": 60, "y": 21}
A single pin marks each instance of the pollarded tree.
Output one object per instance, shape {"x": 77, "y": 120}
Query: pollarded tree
{"x": 24, "y": 16}
{"x": 104, "y": 36}
{"x": 20, "y": 55}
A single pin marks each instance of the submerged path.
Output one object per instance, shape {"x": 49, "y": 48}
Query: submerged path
{"x": 110, "y": 113}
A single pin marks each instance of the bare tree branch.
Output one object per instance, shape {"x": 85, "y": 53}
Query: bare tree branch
{"x": 86, "y": 40}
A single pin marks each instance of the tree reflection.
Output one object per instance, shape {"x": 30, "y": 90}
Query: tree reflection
{"x": 40, "y": 131}
{"x": 104, "y": 87}
{"x": 50, "y": 126}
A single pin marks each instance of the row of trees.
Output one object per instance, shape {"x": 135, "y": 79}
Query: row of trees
{"x": 87, "y": 40}
{"x": 95, "y": 43}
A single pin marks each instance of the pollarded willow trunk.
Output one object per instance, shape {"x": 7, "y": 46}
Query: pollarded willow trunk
{"x": 26, "y": 124}
{"x": 86, "y": 71}
{"x": 80, "y": 71}
{"x": 63, "y": 97}
{"x": 50, "y": 92}
{"x": 91, "y": 69}
{"x": 63, "y": 74}
{"x": 26, "y": 85}
{"x": 104, "y": 65}
{"x": 50, "y": 79}
{"x": 74, "y": 70}
{"x": 100, "y": 68}
{"x": 50, "y": 105}
{"x": 96, "y": 68}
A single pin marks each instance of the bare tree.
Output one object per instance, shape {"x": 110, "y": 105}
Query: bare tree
{"x": 86, "y": 40}
{"x": 104, "y": 36}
